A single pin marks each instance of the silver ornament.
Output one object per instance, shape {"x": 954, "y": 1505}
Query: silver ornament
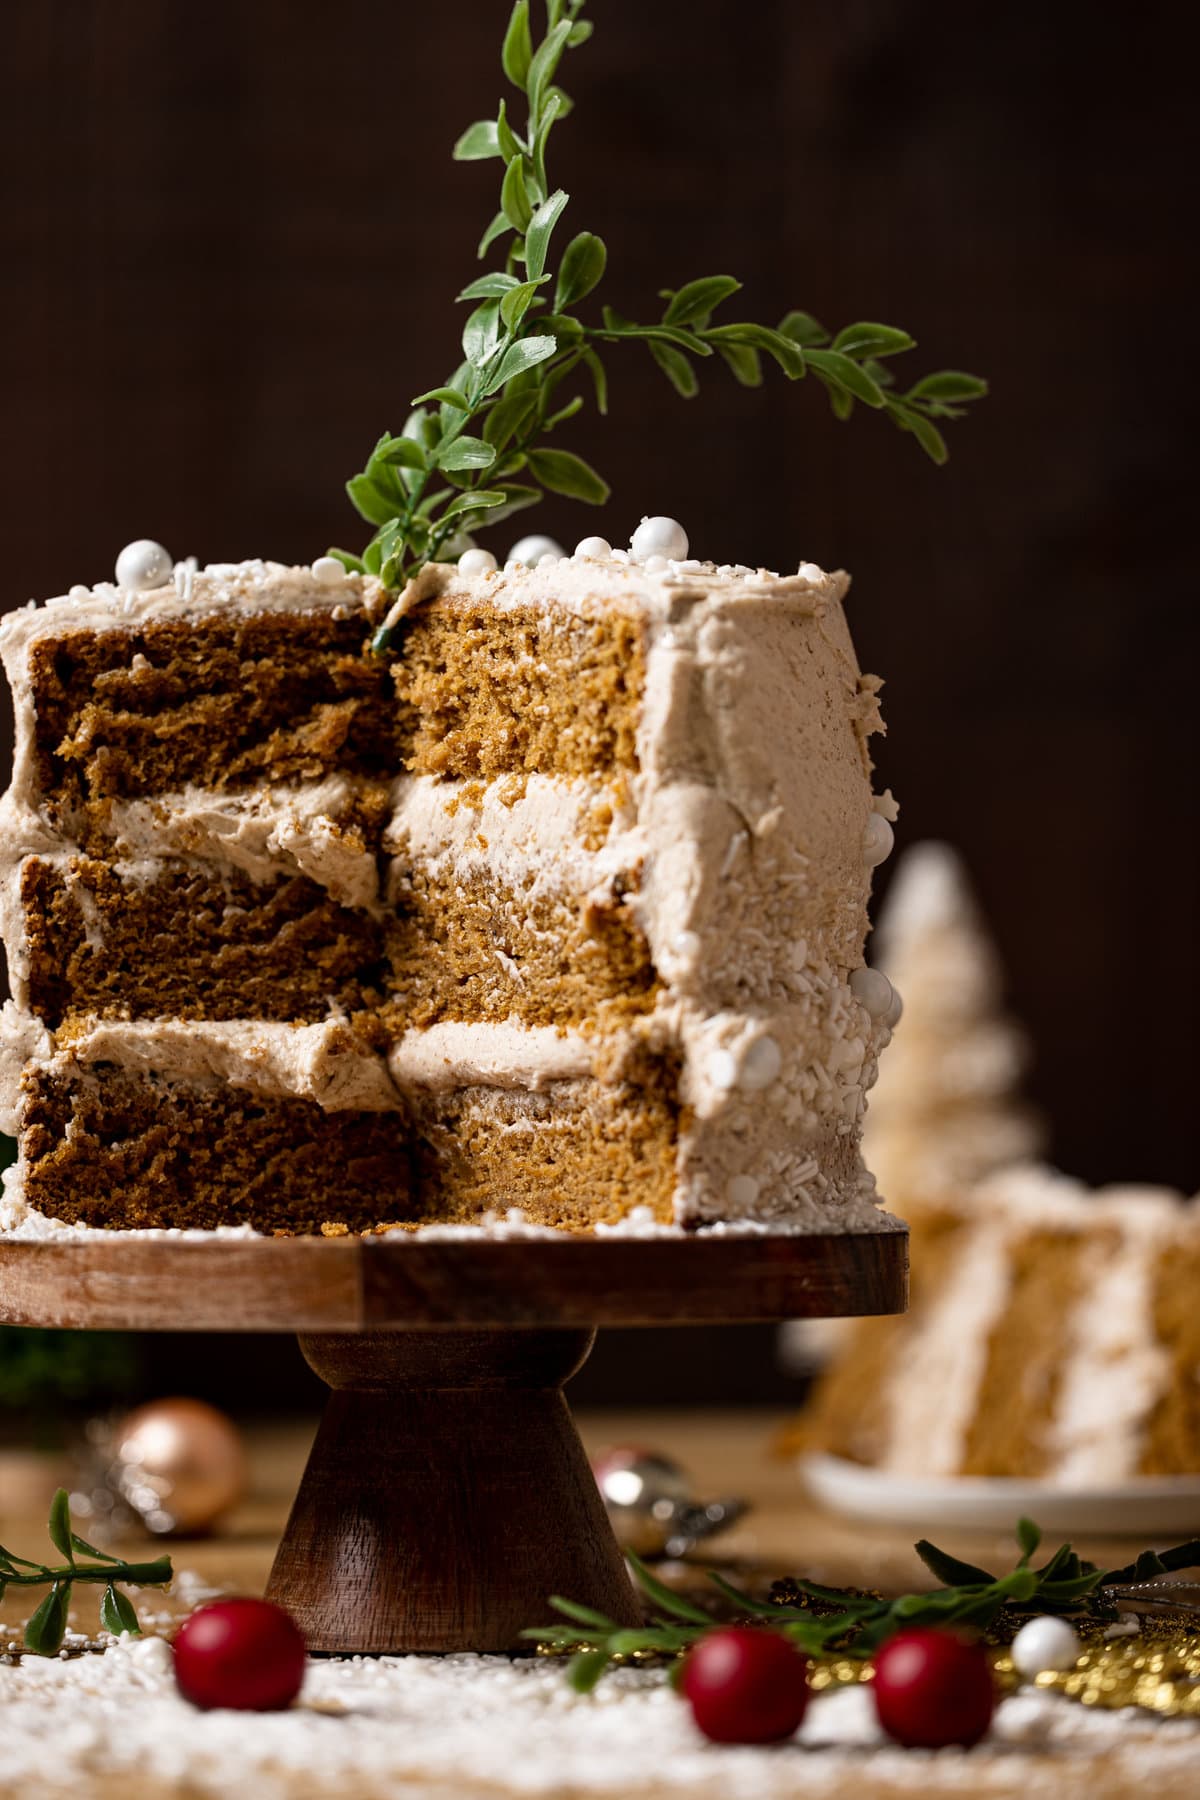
{"x": 651, "y": 1503}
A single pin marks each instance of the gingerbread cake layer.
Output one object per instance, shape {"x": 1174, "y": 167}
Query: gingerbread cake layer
{"x": 110, "y": 1147}
{"x": 1052, "y": 1335}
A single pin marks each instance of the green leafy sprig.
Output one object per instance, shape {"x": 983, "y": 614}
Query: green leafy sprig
{"x": 824, "y": 1620}
{"x": 47, "y": 1628}
{"x": 474, "y": 451}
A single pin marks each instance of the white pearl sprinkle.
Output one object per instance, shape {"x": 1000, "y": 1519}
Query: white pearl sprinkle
{"x": 530, "y": 550}
{"x": 760, "y": 1065}
{"x": 143, "y": 565}
{"x": 878, "y": 839}
{"x": 594, "y": 549}
{"x": 621, "y": 556}
{"x": 549, "y": 560}
{"x": 872, "y": 989}
{"x": 79, "y": 593}
{"x": 1045, "y": 1643}
{"x": 656, "y": 565}
{"x": 329, "y": 571}
{"x": 723, "y": 1070}
{"x": 810, "y": 572}
{"x": 741, "y": 1191}
{"x": 476, "y": 562}
{"x": 686, "y": 944}
{"x": 659, "y": 536}
{"x": 892, "y": 1016}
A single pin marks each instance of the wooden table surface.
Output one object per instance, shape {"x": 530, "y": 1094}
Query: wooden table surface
{"x": 727, "y": 1452}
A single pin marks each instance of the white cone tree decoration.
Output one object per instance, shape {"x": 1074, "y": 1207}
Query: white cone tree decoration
{"x": 946, "y": 1109}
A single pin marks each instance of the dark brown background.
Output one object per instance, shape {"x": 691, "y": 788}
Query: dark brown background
{"x": 233, "y": 231}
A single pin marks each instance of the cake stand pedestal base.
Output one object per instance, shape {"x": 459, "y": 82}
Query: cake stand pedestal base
{"x": 447, "y": 1495}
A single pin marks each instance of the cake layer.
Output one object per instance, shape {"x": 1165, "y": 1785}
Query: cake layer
{"x": 174, "y": 937}
{"x": 484, "y": 692}
{"x": 127, "y": 1150}
{"x": 224, "y": 702}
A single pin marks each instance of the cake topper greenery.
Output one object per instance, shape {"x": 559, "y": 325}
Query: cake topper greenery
{"x": 48, "y": 1626}
{"x": 478, "y": 448}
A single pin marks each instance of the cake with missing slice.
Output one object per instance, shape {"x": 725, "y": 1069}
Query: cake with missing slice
{"x": 559, "y": 909}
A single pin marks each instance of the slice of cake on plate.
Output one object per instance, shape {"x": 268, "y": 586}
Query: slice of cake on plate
{"x": 560, "y": 909}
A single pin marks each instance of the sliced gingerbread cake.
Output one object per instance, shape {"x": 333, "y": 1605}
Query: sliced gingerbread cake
{"x": 559, "y": 908}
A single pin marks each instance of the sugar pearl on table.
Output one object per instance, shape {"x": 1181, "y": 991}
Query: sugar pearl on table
{"x": 530, "y": 550}
{"x": 741, "y": 1190}
{"x": 659, "y": 536}
{"x": 760, "y": 1065}
{"x": 878, "y": 839}
{"x": 329, "y": 571}
{"x": 1045, "y": 1643}
{"x": 476, "y": 562}
{"x": 594, "y": 549}
{"x": 143, "y": 565}
{"x": 872, "y": 989}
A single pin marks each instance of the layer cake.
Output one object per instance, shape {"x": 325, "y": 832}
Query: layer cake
{"x": 558, "y": 909}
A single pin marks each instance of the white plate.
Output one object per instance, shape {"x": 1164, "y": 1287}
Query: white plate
{"x": 1146, "y": 1508}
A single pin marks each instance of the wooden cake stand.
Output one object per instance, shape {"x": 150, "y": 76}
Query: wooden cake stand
{"x": 447, "y": 1493}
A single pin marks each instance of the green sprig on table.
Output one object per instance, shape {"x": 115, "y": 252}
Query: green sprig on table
{"x": 822, "y": 1620}
{"x": 474, "y": 450}
{"x": 47, "y": 1628}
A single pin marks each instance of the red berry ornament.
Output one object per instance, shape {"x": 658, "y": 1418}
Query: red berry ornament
{"x": 933, "y": 1688}
{"x": 246, "y": 1654}
{"x": 745, "y": 1686}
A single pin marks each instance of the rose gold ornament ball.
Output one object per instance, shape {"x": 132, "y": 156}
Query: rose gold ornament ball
{"x": 180, "y": 1464}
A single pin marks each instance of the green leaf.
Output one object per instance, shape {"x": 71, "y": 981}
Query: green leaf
{"x": 517, "y": 496}
{"x": 565, "y": 473}
{"x": 117, "y": 1614}
{"x": 583, "y": 1615}
{"x": 927, "y": 434}
{"x": 846, "y": 373}
{"x": 1029, "y": 1536}
{"x": 585, "y": 1669}
{"x": 556, "y": 105}
{"x": 697, "y": 300}
{"x": 516, "y": 304}
{"x": 492, "y": 286}
{"x": 466, "y": 453}
{"x": 563, "y": 102}
{"x": 517, "y": 52}
{"x": 581, "y": 268}
{"x": 744, "y": 361}
{"x": 496, "y": 229}
{"x": 599, "y": 376}
{"x": 59, "y": 1527}
{"x": 82, "y": 1544}
{"x": 676, "y": 367}
{"x": 841, "y": 403}
{"x": 514, "y": 197}
{"x": 524, "y": 354}
{"x": 370, "y": 502}
{"x": 948, "y": 384}
{"x": 580, "y": 33}
{"x": 402, "y": 451}
{"x": 481, "y": 334}
{"x": 947, "y": 1568}
{"x": 508, "y": 418}
{"x": 760, "y": 337}
{"x": 478, "y": 142}
{"x": 1179, "y": 1556}
{"x": 665, "y": 1597}
{"x": 445, "y": 396}
{"x": 803, "y": 329}
{"x": 564, "y": 412}
{"x": 506, "y": 137}
{"x": 354, "y": 564}
{"x": 541, "y": 70}
{"x": 537, "y": 235}
{"x": 866, "y": 339}
{"x": 47, "y": 1628}
{"x": 476, "y": 500}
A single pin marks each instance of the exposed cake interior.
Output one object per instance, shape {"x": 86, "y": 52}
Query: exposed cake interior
{"x": 555, "y": 911}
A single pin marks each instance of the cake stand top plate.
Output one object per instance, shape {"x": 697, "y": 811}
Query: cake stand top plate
{"x": 396, "y": 1282}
